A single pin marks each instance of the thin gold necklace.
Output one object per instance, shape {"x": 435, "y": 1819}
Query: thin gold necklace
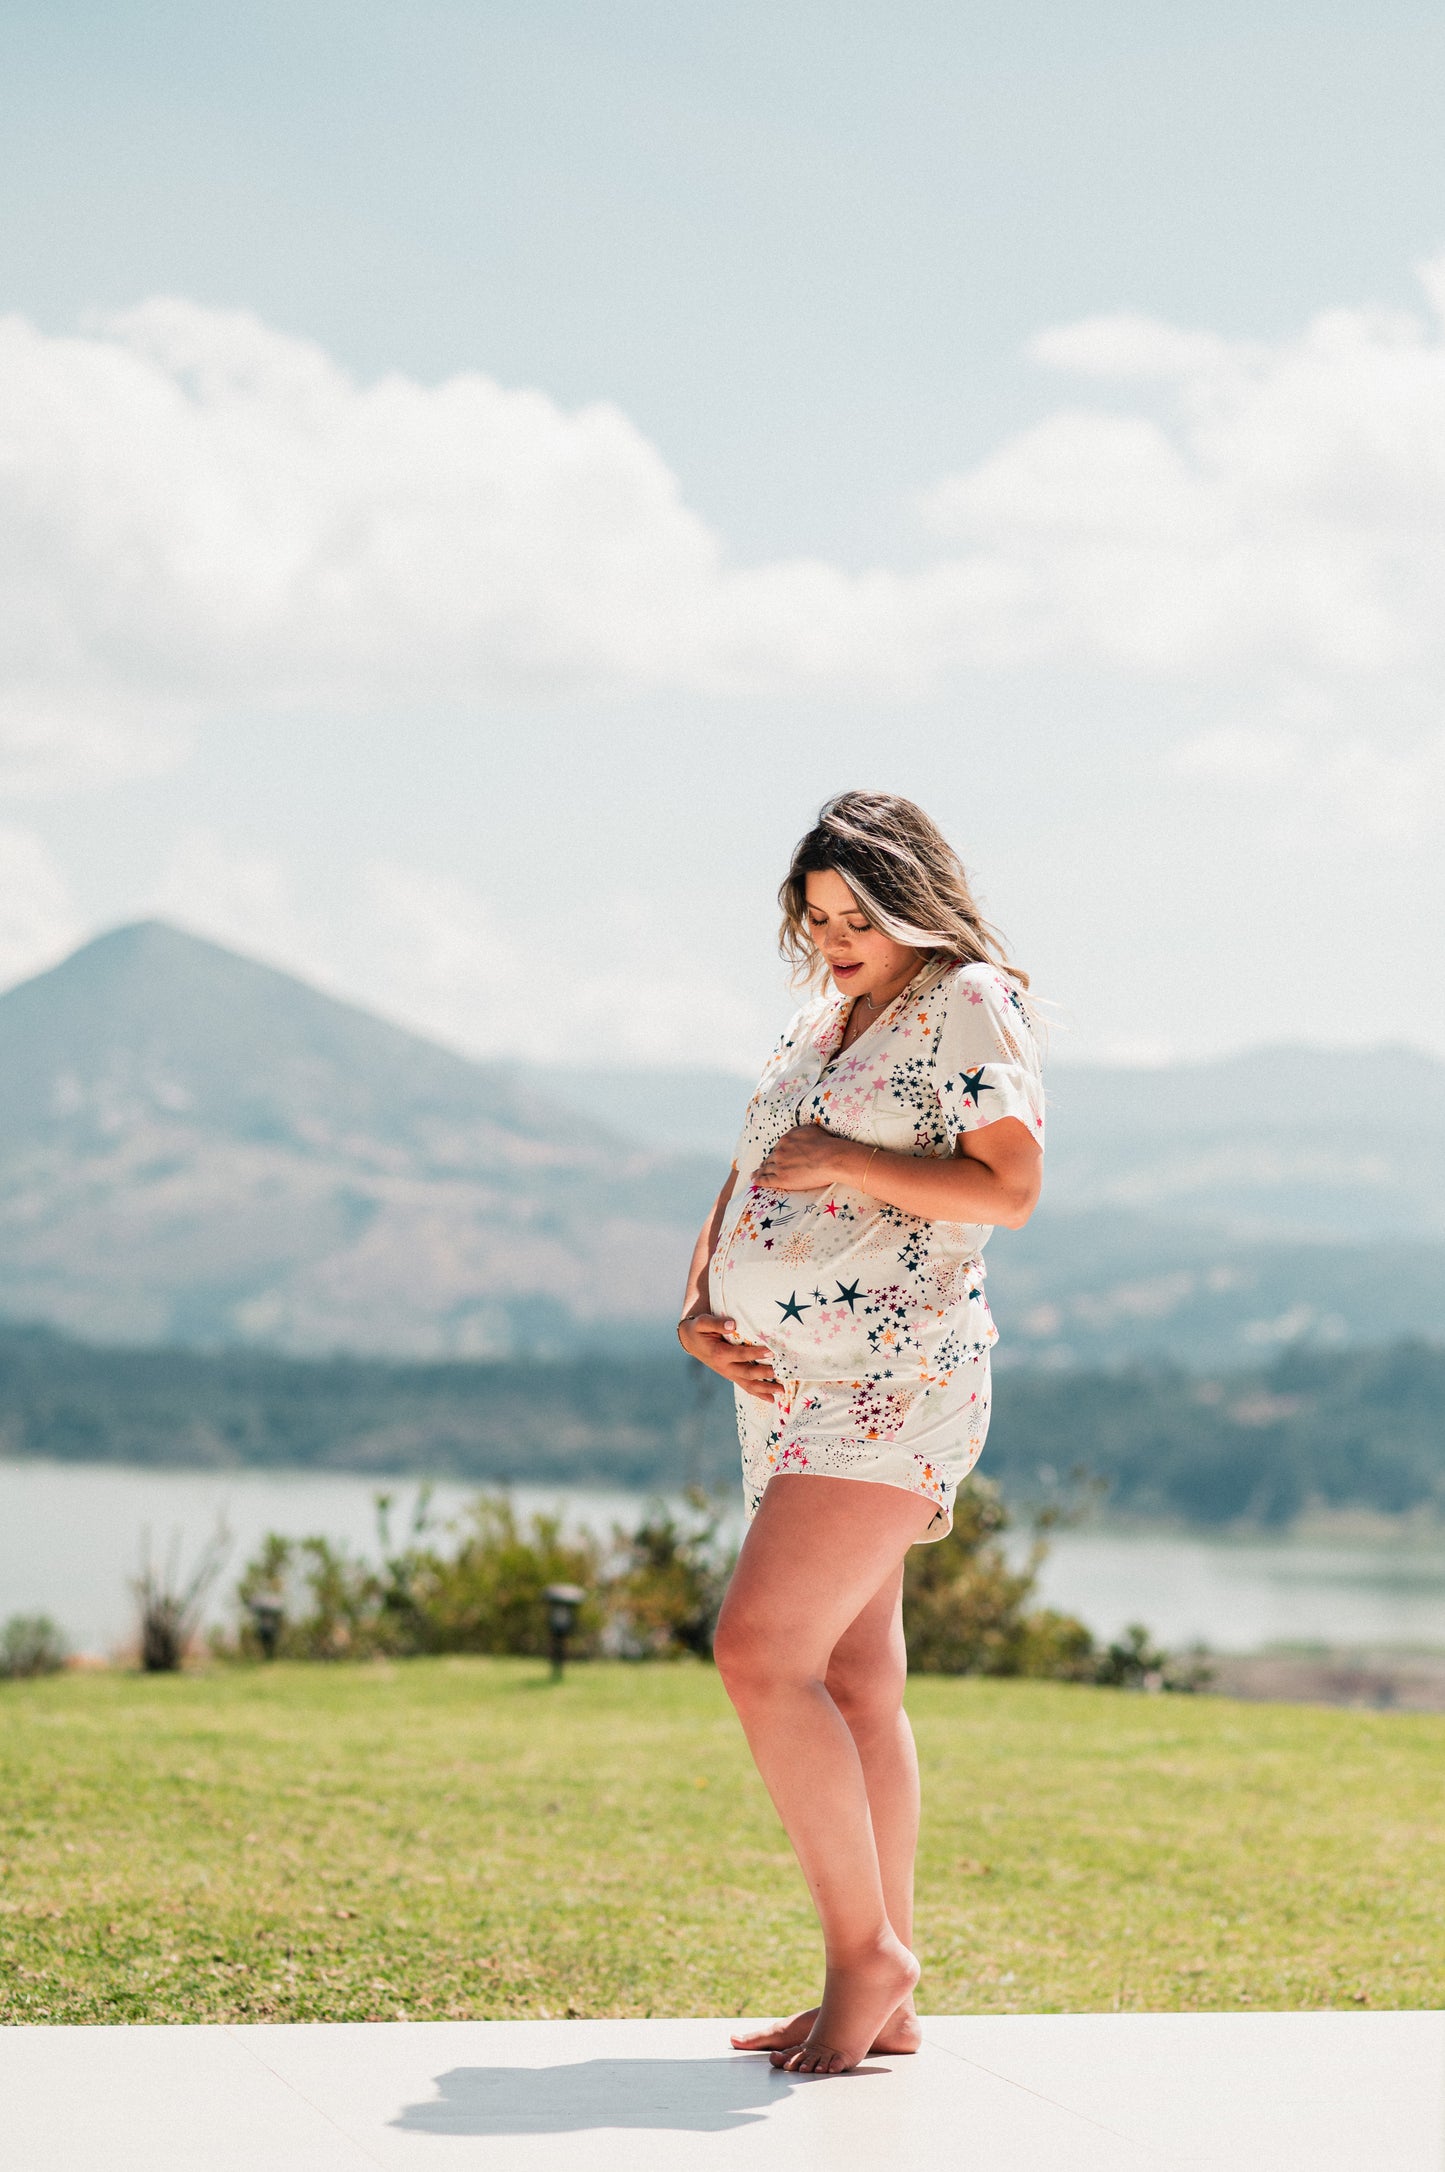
{"x": 875, "y": 1008}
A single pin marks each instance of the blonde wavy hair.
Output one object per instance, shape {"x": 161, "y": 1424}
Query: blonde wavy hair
{"x": 906, "y": 877}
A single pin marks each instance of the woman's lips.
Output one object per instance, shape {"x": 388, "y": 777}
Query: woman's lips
{"x": 841, "y": 972}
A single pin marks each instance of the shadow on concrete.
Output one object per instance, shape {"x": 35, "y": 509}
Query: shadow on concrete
{"x": 698, "y": 2096}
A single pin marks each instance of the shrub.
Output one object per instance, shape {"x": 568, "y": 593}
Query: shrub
{"x": 170, "y": 1607}
{"x": 483, "y": 1595}
{"x": 1134, "y": 1661}
{"x": 965, "y": 1607}
{"x": 487, "y": 1595}
{"x": 663, "y": 1598}
{"x": 657, "y": 1592}
{"x": 30, "y": 1644}
{"x": 331, "y": 1606}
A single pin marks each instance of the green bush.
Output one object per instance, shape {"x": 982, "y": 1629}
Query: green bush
{"x": 966, "y": 1611}
{"x": 483, "y": 1594}
{"x": 480, "y": 1588}
{"x": 30, "y": 1644}
{"x": 655, "y": 1594}
{"x": 1135, "y": 1661}
{"x": 663, "y": 1598}
{"x": 486, "y": 1596}
{"x": 966, "y": 1607}
{"x": 331, "y": 1606}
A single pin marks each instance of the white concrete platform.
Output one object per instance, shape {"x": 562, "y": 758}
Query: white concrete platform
{"x": 1047, "y": 2093}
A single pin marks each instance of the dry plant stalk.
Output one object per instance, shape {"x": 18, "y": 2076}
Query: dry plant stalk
{"x": 170, "y": 1611}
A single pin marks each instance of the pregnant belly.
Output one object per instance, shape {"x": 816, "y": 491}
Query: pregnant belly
{"x": 839, "y": 1295}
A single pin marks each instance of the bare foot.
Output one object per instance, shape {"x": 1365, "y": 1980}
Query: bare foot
{"x": 899, "y": 2034}
{"x": 857, "y": 2000}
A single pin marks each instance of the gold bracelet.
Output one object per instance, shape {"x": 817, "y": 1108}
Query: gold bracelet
{"x": 863, "y": 1187}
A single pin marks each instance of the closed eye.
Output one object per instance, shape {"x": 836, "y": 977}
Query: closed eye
{"x": 854, "y": 927}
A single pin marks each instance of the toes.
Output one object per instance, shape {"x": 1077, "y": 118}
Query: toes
{"x": 810, "y": 2059}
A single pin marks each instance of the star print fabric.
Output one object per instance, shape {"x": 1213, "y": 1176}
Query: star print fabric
{"x": 876, "y": 1320}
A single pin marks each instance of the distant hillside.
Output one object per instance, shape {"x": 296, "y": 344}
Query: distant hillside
{"x": 1312, "y": 1429}
{"x": 1206, "y": 1213}
{"x": 671, "y": 1109}
{"x": 1281, "y": 1144}
{"x": 644, "y": 1421}
{"x": 1285, "y": 1145}
{"x": 196, "y": 1148}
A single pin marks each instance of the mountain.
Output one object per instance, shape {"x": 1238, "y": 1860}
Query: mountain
{"x": 1213, "y": 1212}
{"x": 1206, "y": 1213}
{"x": 1279, "y": 1144}
{"x": 197, "y": 1148}
{"x": 674, "y": 1109}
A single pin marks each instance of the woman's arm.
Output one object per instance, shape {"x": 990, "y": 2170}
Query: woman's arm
{"x": 994, "y": 1174}
{"x": 710, "y": 1337}
{"x": 695, "y": 1297}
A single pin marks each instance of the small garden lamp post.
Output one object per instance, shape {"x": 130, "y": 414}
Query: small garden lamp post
{"x": 563, "y": 1601}
{"x": 267, "y": 1614}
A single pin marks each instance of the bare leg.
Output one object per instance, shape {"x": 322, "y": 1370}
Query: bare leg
{"x": 865, "y": 1679}
{"x": 819, "y": 1550}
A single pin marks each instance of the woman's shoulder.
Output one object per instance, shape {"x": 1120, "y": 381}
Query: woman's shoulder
{"x": 813, "y": 1018}
{"x": 981, "y": 981}
{"x": 983, "y": 987}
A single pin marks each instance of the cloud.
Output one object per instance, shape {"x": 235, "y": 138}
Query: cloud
{"x": 1351, "y": 789}
{"x": 436, "y": 955}
{"x": 622, "y": 991}
{"x": 242, "y": 898}
{"x": 39, "y": 922}
{"x": 1278, "y": 520}
{"x": 200, "y": 514}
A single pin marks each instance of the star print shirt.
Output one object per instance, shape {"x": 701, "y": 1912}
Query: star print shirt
{"x": 837, "y": 1284}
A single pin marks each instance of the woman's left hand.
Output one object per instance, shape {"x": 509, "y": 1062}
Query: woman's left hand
{"x": 806, "y": 1159}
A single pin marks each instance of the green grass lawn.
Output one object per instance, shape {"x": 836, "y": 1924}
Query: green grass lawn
{"x": 456, "y": 1838}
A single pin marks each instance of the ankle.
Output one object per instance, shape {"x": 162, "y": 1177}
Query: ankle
{"x": 882, "y": 1944}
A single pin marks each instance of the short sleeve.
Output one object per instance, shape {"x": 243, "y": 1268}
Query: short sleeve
{"x": 986, "y": 1062}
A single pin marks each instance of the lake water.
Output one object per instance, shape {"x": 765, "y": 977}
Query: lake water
{"x": 71, "y": 1537}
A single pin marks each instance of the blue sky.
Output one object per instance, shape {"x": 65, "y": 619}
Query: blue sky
{"x": 760, "y": 296}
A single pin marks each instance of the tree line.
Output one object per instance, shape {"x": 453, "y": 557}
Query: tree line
{"x": 1349, "y": 1428}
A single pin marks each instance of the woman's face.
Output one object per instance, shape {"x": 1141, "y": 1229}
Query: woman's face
{"x": 862, "y": 960}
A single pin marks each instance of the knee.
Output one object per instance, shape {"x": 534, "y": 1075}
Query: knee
{"x": 750, "y": 1652}
{"x": 737, "y": 1649}
{"x": 871, "y": 1696}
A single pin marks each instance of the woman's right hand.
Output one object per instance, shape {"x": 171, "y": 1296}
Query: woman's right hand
{"x": 713, "y": 1340}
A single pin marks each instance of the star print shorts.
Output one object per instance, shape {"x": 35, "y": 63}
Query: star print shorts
{"x": 924, "y": 1439}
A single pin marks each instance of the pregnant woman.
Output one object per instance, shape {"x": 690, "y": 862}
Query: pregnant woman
{"x": 838, "y": 1285}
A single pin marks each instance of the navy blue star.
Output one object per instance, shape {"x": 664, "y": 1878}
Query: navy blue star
{"x": 792, "y": 1310}
{"x": 847, "y": 1295}
{"x": 973, "y": 1085}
